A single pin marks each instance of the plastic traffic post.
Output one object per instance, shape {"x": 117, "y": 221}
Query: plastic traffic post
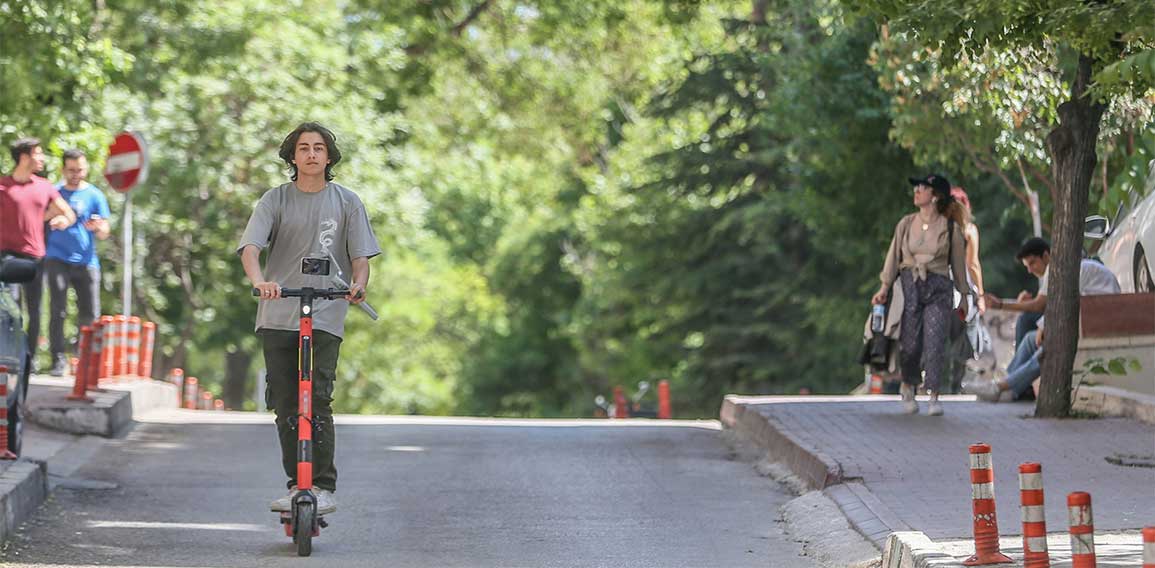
{"x": 190, "y": 393}
{"x": 80, "y": 382}
{"x": 176, "y": 377}
{"x": 1034, "y": 521}
{"x": 664, "y": 400}
{"x": 1149, "y": 547}
{"x": 621, "y": 409}
{"x": 1082, "y": 530}
{"x": 147, "y": 340}
{"x": 107, "y": 343}
{"x": 132, "y": 348}
{"x": 986, "y": 526}
{"x": 119, "y": 345}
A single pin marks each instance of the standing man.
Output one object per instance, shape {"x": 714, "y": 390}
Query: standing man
{"x": 307, "y": 217}
{"x": 27, "y": 201}
{"x": 71, "y": 259}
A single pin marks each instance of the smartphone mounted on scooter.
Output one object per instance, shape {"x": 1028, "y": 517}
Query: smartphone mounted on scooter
{"x": 314, "y": 266}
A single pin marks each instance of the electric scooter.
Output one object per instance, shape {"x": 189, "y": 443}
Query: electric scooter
{"x": 302, "y": 522}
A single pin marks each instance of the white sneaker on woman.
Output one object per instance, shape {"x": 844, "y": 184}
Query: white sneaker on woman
{"x": 909, "y": 404}
{"x": 935, "y": 407}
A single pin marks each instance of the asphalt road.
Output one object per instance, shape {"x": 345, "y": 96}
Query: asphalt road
{"x": 193, "y": 491}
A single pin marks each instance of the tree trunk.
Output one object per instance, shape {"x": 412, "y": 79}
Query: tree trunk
{"x": 1072, "y": 148}
{"x": 236, "y": 387}
{"x": 758, "y": 12}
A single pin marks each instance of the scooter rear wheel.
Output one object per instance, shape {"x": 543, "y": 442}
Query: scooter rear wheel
{"x": 303, "y": 529}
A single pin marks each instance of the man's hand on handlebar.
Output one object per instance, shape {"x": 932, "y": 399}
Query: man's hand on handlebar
{"x": 356, "y": 294}
{"x": 268, "y": 290}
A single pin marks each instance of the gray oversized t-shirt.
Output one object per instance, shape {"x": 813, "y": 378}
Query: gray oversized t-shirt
{"x": 293, "y": 224}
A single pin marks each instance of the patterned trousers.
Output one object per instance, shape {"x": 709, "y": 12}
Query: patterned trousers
{"x": 926, "y": 314}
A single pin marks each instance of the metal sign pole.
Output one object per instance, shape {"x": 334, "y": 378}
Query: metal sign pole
{"x": 126, "y": 290}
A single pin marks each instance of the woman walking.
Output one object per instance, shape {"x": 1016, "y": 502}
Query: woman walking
{"x": 928, "y": 246}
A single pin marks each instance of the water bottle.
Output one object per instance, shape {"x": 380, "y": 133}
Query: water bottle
{"x": 877, "y": 318}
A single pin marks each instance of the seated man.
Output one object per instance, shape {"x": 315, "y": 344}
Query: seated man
{"x": 1094, "y": 279}
{"x": 1035, "y": 254}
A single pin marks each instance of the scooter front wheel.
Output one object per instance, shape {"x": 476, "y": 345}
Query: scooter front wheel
{"x": 303, "y": 529}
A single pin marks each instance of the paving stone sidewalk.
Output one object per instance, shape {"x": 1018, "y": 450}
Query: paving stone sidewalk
{"x": 917, "y": 466}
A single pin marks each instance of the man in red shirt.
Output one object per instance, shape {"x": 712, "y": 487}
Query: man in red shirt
{"x": 27, "y": 202}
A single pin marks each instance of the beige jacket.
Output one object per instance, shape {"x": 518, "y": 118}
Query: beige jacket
{"x": 900, "y": 256}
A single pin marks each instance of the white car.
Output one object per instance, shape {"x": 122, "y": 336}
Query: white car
{"x": 1128, "y": 246}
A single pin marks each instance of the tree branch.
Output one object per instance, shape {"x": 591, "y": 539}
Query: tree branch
{"x": 1043, "y": 177}
{"x": 474, "y": 13}
{"x": 992, "y": 168}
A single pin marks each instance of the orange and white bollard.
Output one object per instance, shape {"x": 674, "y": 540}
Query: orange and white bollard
{"x": 986, "y": 526}
{"x": 80, "y": 382}
{"x": 176, "y": 377}
{"x": 107, "y": 340}
{"x": 1082, "y": 530}
{"x": 5, "y": 453}
{"x": 875, "y": 383}
{"x": 1148, "y": 547}
{"x": 218, "y": 404}
{"x": 664, "y": 400}
{"x": 621, "y": 409}
{"x": 132, "y": 348}
{"x": 147, "y": 340}
{"x": 190, "y": 393}
{"x": 92, "y": 367}
{"x": 119, "y": 323}
{"x": 109, "y": 323}
{"x": 1035, "y": 553}
{"x": 206, "y": 402}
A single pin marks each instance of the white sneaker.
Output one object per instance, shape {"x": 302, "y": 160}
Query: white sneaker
{"x": 909, "y": 404}
{"x": 284, "y": 504}
{"x": 326, "y": 503}
{"x": 935, "y": 407}
{"x": 986, "y": 390}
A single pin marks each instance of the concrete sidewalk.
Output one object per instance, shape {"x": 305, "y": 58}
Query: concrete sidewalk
{"x": 893, "y": 473}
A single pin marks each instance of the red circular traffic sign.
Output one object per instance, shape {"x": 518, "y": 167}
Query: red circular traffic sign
{"x": 127, "y": 163}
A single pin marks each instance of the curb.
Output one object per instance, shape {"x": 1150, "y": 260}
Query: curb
{"x": 818, "y": 471}
{"x": 111, "y": 411}
{"x": 107, "y": 414}
{"x": 23, "y": 487}
{"x": 913, "y": 549}
{"x": 1111, "y": 401}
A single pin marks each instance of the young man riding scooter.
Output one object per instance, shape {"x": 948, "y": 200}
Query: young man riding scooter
{"x": 309, "y": 217}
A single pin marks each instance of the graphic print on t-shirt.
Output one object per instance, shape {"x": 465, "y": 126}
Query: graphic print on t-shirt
{"x": 325, "y": 238}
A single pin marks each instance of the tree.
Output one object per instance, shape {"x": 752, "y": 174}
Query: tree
{"x": 1092, "y": 35}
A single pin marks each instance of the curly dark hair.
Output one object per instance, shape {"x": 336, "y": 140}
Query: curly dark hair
{"x": 289, "y": 147}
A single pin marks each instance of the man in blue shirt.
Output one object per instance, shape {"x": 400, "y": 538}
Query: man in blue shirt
{"x": 71, "y": 258}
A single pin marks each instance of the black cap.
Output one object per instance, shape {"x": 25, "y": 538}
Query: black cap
{"x": 935, "y": 181}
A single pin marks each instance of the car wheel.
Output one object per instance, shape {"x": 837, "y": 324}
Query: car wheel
{"x": 16, "y": 405}
{"x": 1143, "y": 281}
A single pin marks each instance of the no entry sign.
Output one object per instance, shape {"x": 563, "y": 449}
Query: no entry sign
{"x": 127, "y": 163}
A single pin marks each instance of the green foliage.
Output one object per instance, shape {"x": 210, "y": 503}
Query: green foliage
{"x": 570, "y": 196}
{"x": 1117, "y": 366}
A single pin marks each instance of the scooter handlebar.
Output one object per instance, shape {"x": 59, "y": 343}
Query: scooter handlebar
{"x": 329, "y": 293}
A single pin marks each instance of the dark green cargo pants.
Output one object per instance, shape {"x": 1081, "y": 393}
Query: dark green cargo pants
{"x": 281, "y": 361}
